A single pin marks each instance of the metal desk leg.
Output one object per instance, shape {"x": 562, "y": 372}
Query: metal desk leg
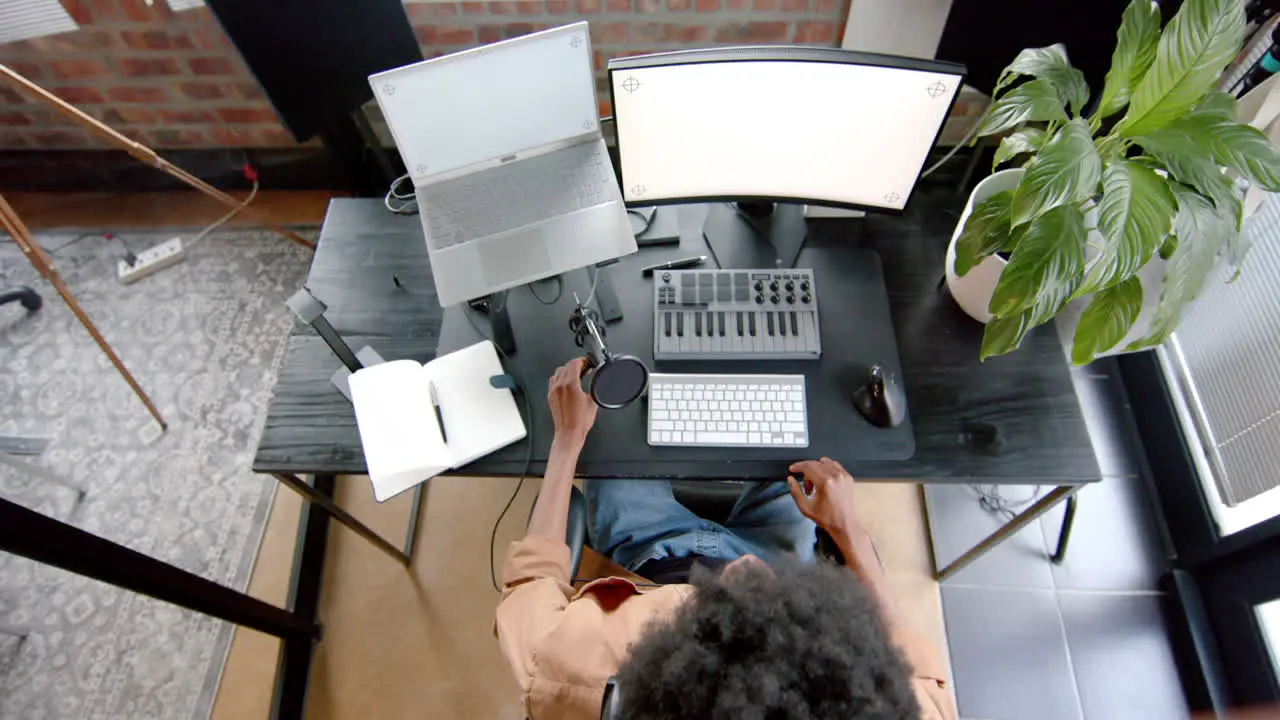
{"x": 1019, "y": 521}
{"x": 411, "y": 535}
{"x": 29, "y": 534}
{"x": 1064, "y": 536}
{"x": 342, "y": 516}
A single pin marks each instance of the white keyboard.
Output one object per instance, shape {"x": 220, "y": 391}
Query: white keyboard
{"x": 519, "y": 194}
{"x": 715, "y": 410}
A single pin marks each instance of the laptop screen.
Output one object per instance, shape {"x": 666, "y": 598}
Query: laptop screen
{"x": 491, "y": 101}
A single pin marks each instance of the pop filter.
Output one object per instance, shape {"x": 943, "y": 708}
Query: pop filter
{"x": 612, "y": 381}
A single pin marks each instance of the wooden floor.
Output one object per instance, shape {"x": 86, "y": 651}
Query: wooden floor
{"x": 417, "y": 642}
{"x": 177, "y": 208}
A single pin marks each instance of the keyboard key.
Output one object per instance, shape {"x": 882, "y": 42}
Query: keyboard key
{"x": 722, "y": 438}
{"x": 666, "y": 436}
{"x": 659, "y": 415}
{"x": 739, "y": 323}
{"x": 666, "y": 324}
{"x": 680, "y": 325}
{"x": 795, "y": 324}
{"x": 792, "y": 427}
{"x": 697, "y": 325}
{"x": 769, "y": 321}
{"x": 752, "y": 322}
{"x": 687, "y": 437}
{"x": 795, "y": 417}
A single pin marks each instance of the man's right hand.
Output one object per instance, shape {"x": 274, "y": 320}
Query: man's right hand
{"x": 826, "y": 495}
{"x": 572, "y": 410}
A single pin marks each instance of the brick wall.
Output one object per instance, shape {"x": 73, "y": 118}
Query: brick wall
{"x": 173, "y": 79}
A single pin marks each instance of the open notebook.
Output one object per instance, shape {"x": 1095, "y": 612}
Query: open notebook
{"x": 397, "y": 422}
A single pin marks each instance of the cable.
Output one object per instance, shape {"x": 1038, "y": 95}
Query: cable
{"x": 406, "y": 203}
{"x": 223, "y": 220}
{"x": 969, "y": 136}
{"x": 648, "y": 220}
{"x": 994, "y": 502}
{"x": 559, "y": 291}
{"x": 528, "y": 457}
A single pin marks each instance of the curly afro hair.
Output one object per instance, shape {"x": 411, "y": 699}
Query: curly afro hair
{"x": 792, "y": 642}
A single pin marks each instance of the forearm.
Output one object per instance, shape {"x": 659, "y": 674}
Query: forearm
{"x": 551, "y": 510}
{"x": 860, "y": 558}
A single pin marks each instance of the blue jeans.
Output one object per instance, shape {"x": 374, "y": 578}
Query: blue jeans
{"x": 635, "y": 521}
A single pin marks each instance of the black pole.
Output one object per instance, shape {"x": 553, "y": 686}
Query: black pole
{"x": 38, "y": 537}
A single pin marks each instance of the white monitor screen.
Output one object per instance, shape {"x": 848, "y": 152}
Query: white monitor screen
{"x": 482, "y": 104}
{"x": 828, "y": 132}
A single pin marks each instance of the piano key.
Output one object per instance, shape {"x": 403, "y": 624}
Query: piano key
{"x": 769, "y": 321}
{"x": 721, "y": 319}
{"x": 752, "y": 322}
{"x": 666, "y": 324}
{"x": 680, "y": 325}
{"x": 740, "y": 331}
{"x": 697, "y": 324}
{"x": 795, "y": 324}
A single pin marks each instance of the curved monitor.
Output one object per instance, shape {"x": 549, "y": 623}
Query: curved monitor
{"x": 811, "y": 125}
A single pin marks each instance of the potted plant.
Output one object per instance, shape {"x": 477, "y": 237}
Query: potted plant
{"x": 1126, "y": 201}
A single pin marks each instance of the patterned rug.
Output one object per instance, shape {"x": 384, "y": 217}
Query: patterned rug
{"x": 203, "y": 338}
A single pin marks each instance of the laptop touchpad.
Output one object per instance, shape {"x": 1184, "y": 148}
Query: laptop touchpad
{"x": 514, "y": 257}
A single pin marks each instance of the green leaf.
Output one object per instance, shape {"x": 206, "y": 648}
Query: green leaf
{"x": 1004, "y": 334}
{"x": 1217, "y": 104}
{"x": 1134, "y": 215}
{"x": 1051, "y": 64}
{"x": 1026, "y": 140}
{"x": 1107, "y": 320}
{"x": 1135, "y": 50}
{"x": 1036, "y": 101}
{"x": 985, "y": 231}
{"x": 1198, "y": 43}
{"x": 1198, "y": 171}
{"x": 1066, "y": 170}
{"x": 1046, "y": 266}
{"x": 1168, "y": 247}
{"x": 1240, "y": 147}
{"x": 1202, "y": 231}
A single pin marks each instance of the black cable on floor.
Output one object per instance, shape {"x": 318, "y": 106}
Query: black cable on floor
{"x": 528, "y": 458}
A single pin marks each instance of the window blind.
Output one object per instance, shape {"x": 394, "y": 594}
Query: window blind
{"x": 1227, "y": 350}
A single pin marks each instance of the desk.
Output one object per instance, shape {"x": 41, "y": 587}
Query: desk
{"x": 1013, "y": 420}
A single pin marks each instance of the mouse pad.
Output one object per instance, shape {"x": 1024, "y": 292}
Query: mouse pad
{"x": 857, "y": 332}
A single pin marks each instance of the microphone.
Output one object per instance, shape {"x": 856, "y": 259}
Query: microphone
{"x": 612, "y": 381}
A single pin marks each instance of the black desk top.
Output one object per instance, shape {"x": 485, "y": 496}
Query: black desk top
{"x": 1013, "y": 419}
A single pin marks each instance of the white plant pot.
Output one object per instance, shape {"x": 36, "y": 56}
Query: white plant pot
{"x": 973, "y": 291}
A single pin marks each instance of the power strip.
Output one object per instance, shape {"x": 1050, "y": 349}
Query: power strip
{"x": 152, "y": 260}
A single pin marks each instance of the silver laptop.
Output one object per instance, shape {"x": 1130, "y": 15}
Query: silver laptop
{"x": 509, "y": 166}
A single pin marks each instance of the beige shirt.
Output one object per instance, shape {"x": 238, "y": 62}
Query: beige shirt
{"x": 564, "y": 645}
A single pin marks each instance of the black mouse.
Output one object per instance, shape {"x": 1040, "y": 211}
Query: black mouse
{"x": 881, "y": 399}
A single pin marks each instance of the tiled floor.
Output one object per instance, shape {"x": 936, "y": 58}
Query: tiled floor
{"x": 1084, "y": 639}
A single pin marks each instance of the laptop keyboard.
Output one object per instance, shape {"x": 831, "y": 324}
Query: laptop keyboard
{"x": 521, "y": 193}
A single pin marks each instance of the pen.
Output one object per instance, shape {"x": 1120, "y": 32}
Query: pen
{"x": 435, "y": 403}
{"x": 674, "y": 264}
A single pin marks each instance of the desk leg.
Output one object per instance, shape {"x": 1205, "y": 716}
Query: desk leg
{"x": 1019, "y": 521}
{"x": 326, "y": 501}
{"x": 411, "y": 535}
{"x": 293, "y": 666}
{"x": 1064, "y": 535}
{"x": 38, "y": 537}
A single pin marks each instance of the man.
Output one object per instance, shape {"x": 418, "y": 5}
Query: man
{"x": 786, "y": 639}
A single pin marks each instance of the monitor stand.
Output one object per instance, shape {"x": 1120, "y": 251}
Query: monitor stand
{"x": 755, "y": 234}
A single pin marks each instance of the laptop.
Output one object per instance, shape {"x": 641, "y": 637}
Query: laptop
{"x": 508, "y": 162}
